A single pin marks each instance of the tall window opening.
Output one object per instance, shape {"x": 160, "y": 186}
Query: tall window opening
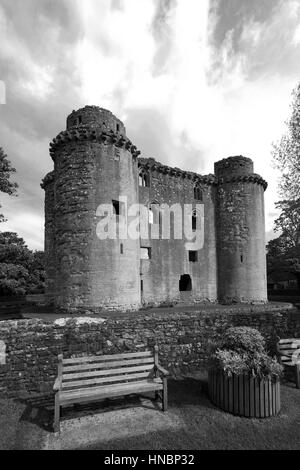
{"x": 194, "y": 221}
{"x": 198, "y": 193}
{"x": 144, "y": 180}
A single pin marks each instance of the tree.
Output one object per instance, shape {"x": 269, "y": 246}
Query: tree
{"x": 21, "y": 270}
{"x": 282, "y": 260}
{"x": 284, "y": 251}
{"x": 6, "y": 186}
{"x": 286, "y": 152}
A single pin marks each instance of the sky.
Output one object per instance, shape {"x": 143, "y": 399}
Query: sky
{"x": 193, "y": 81}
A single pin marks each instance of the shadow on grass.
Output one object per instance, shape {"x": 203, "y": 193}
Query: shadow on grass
{"x": 39, "y": 410}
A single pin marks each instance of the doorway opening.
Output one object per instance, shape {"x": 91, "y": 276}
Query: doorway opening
{"x": 185, "y": 283}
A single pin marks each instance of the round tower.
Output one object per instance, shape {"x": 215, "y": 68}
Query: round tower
{"x": 240, "y": 231}
{"x": 94, "y": 164}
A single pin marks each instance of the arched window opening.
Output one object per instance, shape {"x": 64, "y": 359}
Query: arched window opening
{"x": 144, "y": 180}
{"x": 185, "y": 283}
{"x": 198, "y": 193}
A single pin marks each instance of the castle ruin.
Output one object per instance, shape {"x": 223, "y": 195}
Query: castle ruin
{"x": 94, "y": 164}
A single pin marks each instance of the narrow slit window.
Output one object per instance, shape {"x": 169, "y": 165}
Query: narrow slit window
{"x": 194, "y": 221}
{"x": 118, "y": 127}
{"x": 121, "y": 249}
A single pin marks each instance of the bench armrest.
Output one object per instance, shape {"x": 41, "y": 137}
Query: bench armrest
{"x": 57, "y": 385}
{"x": 160, "y": 369}
{"x": 296, "y": 356}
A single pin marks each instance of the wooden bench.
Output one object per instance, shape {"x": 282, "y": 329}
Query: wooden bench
{"x": 289, "y": 351}
{"x": 93, "y": 378}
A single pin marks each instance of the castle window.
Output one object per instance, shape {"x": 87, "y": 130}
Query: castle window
{"x": 185, "y": 283}
{"x": 118, "y": 208}
{"x": 121, "y": 249}
{"x": 80, "y": 120}
{"x": 142, "y": 285}
{"x": 194, "y": 221}
{"x": 193, "y": 256}
{"x": 151, "y": 216}
{"x": 144, "y": 180}
{"x": 145, "y": 253}
{"x": 118, "y": 127}
{"x": 242, "y": 258}
{"x": 198, "y": 193}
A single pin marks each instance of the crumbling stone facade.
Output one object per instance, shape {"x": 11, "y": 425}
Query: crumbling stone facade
{"x": 94, "y": 164}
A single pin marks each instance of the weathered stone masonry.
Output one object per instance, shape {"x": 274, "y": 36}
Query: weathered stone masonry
{"x": 95, "y": 163}
{"x": 32, "y": 346}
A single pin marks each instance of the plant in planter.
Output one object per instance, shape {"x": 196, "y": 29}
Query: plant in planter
{"x": 243, "y": 378}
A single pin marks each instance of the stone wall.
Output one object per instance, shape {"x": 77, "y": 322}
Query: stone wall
{"x": 169, "y": 257}
{"x": 28, "y": 364}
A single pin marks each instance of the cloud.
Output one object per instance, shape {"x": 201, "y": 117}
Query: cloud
{"x": 193, "y": 82}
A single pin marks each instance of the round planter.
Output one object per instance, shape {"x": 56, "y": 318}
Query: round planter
{"x": 244, "y": 395}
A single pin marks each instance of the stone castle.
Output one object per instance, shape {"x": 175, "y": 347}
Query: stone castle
{"x": 95, "y": 163}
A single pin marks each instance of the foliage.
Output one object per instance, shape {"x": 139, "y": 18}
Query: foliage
{"x": 6, "y": 186}
{"x": 13, "y": 279}
{"x": 21, "y": 270}
{"x": 284, "y": 252}
{"x": 286, "y": 153}
{"x": 242, "y": 351}
{"x": 243, "y": 339}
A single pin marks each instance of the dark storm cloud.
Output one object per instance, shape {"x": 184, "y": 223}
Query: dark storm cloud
{"x": 162, "y": 34}
{"x": 35, "y": 23}
{"x": 42, "y": 83}
{"x": 232, "y": 15}
{"x": 47, "y": 31}
{"x": 271, "y": 52}
{"x": 150, "y": 132}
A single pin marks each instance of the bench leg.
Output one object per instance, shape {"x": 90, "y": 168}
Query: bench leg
{"x": 56, "y": 414}
{"x": 165, "y": 395}
{"x": 297, "y": 372}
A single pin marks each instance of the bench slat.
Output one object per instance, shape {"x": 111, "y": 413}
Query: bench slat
{"x": 290, "y": 340}
{"x": 288, "y": 351}
{"x": 82, "y": 395}
{"x": 106, "y": 365}
{"x": 90, "y": 374}
{"x": 122, "y": 370}
{"x": 111, "y": 357}
{"x": 109, "y": 381}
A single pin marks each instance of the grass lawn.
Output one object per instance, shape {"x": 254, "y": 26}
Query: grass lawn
{"x": 192, "y": 422}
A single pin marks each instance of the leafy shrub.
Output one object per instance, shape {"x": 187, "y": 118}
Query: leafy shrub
{"x": 241, "y": 351}
{"x": 243, "y": 338}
